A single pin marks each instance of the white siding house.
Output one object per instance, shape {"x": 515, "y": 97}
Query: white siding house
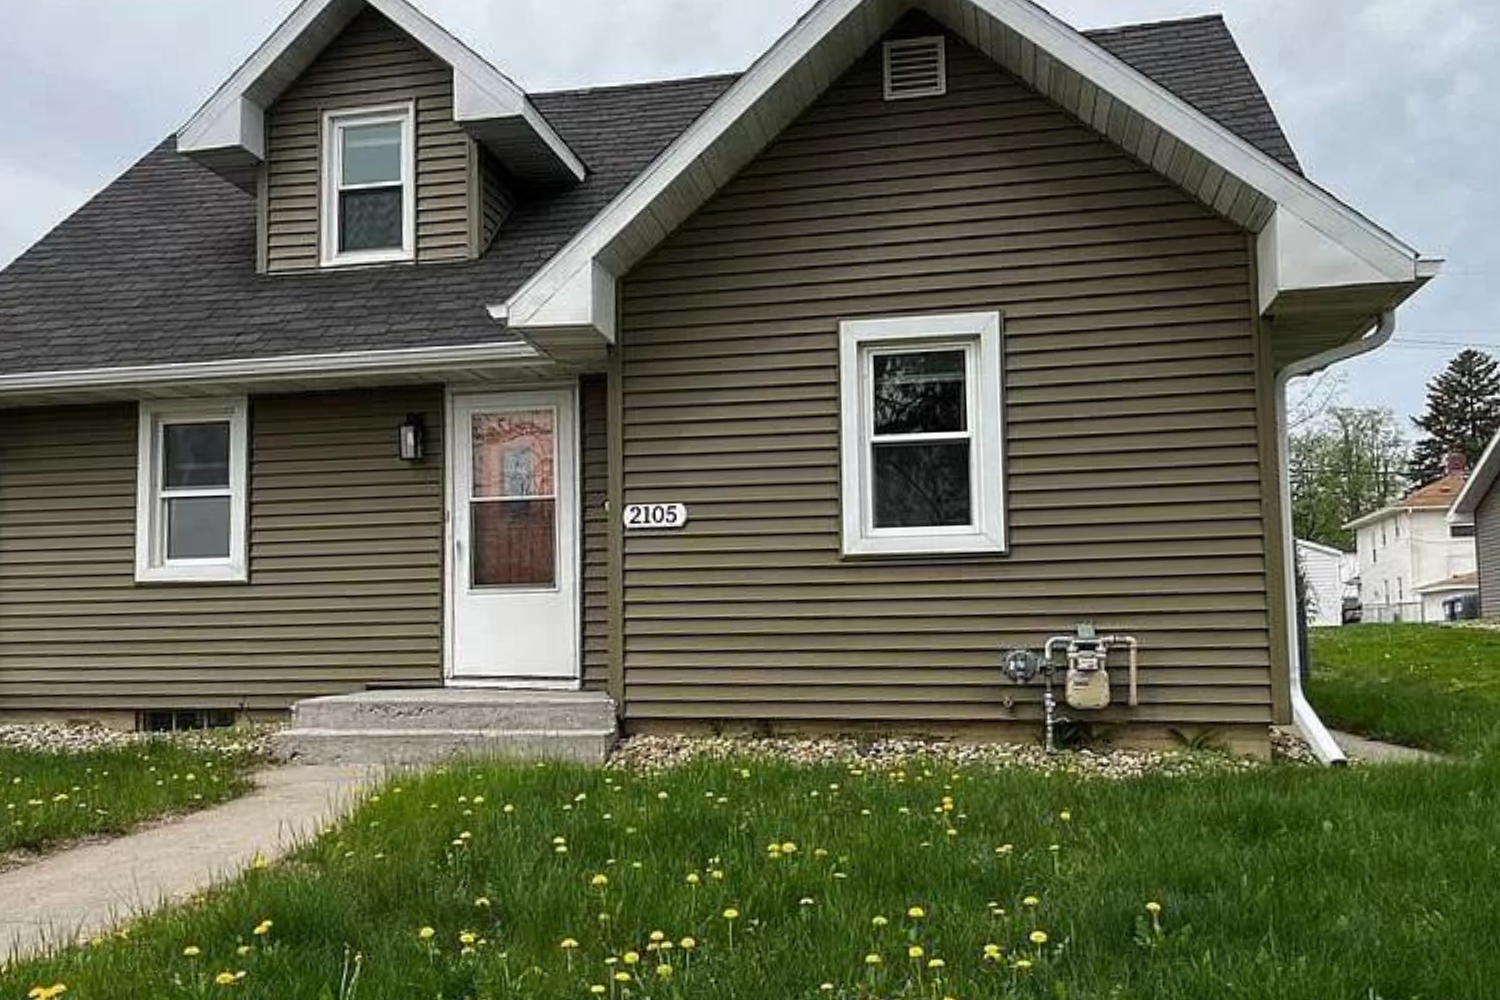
{"x": 1411, "y": 559}
{"x": 1327, "y": 572}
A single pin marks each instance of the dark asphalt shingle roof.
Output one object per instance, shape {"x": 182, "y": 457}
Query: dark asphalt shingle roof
{"x": 159, "y": 266}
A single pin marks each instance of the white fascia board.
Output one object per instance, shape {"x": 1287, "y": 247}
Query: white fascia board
{"x": 1327, "y": 550}
{"x": 399, "y": 361}
{"x": 1292, "y": 255}
{"x": 1477, "y": 487}
{"x": 1341, "y": 228}
{"x": 232, "y": 118}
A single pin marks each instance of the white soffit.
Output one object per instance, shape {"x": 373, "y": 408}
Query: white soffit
{"x": 1319, "y": 239}
{"x": 228, "y": 132}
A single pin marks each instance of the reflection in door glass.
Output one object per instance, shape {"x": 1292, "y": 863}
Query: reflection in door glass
{"x": 513, "y": 503}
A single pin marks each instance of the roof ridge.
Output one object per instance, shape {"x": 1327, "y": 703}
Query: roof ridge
{"x": 637, "y": 85}
{"x": 1163, "y": 23}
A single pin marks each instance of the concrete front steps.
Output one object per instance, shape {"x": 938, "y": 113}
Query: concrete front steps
{"x": 428, "y": 726}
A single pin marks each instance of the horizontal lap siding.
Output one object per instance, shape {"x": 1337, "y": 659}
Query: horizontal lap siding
{"x": 1131, "y": 408}
{"x": 371, "y": 63}
{"x": 1487, "y": 544}
{"x": 345, "y": 563}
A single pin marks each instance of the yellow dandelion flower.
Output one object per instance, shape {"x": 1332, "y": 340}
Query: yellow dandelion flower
{"x": 664, "y": 971}
{"x": 1022, "y": 965}
{"x": 879, "y": 921}
{"x": 687, "y": 944}
{"x": 242, "y": 950}
{"x": 192, "y": 951}
{"x": 915, "y": 951}
{"x": 599, "y": 881}
{"x": 568, "y": 944}
{"x": 1038, "y": 937}
{"x": 622, "y": 977}
{"x": 657, "y": 937}
{"x": 1153, "y": 908}
{"x": 789, "y": 848}
{"x": 1066, "y": 816}
{"x": 631, "y": 958}
{"x": 916, "y": 913}
{"x": 598, "y": 990}
{"x": 483, "y": 902}
{"x": 426, "y": 933}
{"x": 872, "y": 959}
{"x": 1030, "y": 901}
{"x": 47, "y": 992}
{"x": 806, "y": 901}
{"x": 936, "y": 963}
{"x": 262, "y": 929}
{"x": 693, "y": 879}
{"x": 731, "y": 914}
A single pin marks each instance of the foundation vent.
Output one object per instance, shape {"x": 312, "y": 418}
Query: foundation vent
{"x": 915, "y": 67}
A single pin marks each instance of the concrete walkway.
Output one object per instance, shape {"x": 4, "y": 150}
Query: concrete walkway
{"x": 1375, "y": 752}
{"x": 80, "y": 892}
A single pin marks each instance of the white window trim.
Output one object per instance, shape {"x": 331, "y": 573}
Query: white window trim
{"x": 151, "y": 564}
{"x": 859, "y": 341}
{"x": 334, "y": 122}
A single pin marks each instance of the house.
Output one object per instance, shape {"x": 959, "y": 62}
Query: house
{"x": 1477, "y": 512}
{"x": 1412, "y": 560}
{"x": 784, "y": 401}
{"x": 1328, "y": 574}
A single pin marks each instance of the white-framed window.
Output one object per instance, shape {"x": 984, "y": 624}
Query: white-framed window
{"x": 369, "y": 185}
{"x": 191, "y": 483}
{"x": 921, "y": 435}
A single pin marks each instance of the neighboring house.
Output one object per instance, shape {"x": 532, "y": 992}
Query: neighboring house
{"x": 1328, "y": 577}
{"x": 1477, "y": 510}
{"x": 1411, "y": 559}
{"x": 948, "y": 326}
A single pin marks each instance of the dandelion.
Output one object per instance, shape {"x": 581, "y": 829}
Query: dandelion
{"x": 242, "y": 950}
{"x": 731, "y": 914}
{"x": 915, "y": 952}
{"x": 426, "y": 933}
{"x": 599, "y": 881}
{"x": 568, "y": 944}
{"x": 916, "y": 913}
{"x": 806, "y": 901}
{"x": 598, "y": 990}
{"x": 1030, "y": 901}
{"x": 1022, "y": 965}
{"x": 872, "y": 959}
{"x": 992, "y": 952}
{"x": 664, "y": 971}
{"x": 467, "y": 938}
{"x": 47, "y": 992}
{"x": 693, "y": 879}
{"x": 1066, "y": 816}
{"x": 936, "y": 964}
{"x": 789, "y": 848}
{"x": 259, "y": 861}
{"x": 878, "y": 921}
{"x": 262, "y": 929}
{"x": 1153, "y": 908}
{"x": 227, "y": 978}
{"x": 622, "y": 977}
{"x": 482, "y": 903}
{"x": 631, "y": 958}
{"x": 687, "y": 944}
{"x": 192, "y": 951}
{"x": 1039, "y": 937}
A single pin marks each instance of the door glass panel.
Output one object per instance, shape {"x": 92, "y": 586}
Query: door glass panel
{"x": 513, "y": 500}
{"x": 513, "y": 454}
{"x": 513, "y": 542}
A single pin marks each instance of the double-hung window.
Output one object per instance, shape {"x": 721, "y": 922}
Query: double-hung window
{"x": 921, "y": 435}
{"x": 369, "y": 189}
{"x": 190, "y": 494}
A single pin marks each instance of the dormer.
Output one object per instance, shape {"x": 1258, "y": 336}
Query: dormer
{"x": 371, "y": 136}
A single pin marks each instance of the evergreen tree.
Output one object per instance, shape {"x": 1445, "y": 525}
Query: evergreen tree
{"x": 1463, "y": 413}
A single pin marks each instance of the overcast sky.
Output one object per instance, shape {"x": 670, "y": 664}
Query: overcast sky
{"x": 1389, "y": 103}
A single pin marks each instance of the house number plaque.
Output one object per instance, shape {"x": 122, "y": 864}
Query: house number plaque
{"x": 658, "y": 516}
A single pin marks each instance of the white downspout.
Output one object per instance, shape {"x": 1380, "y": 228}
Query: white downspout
{"x": 1308, "y": 724}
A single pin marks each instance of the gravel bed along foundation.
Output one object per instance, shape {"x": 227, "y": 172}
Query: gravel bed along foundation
{"x": 52, "y": 737}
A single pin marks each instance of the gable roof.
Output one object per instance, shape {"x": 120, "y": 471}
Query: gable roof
{"x": 1481, "y": 480}
{"x": 228, "y": 133}
{"x": 1439, "y": 494}
{"x": 158, "y": 269}
{"x": 1318, "y": 257}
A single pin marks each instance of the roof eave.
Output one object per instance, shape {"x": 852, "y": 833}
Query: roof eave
{"x": 1478, "y": 485}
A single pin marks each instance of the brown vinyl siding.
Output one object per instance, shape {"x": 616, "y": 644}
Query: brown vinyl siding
{"x": 345, "y": 563}
{"x": 1134, "y": 467}
{"x": 497, "y": 198}
{"x": 372, "y": 63}
{"x": 593, "y": 406}
{"x": 1487, "y": 548}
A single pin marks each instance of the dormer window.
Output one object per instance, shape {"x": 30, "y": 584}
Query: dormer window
{"x": 369, "y": 197}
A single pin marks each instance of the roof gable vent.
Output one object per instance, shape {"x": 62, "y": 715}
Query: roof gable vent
{"x": 915, "y": 67}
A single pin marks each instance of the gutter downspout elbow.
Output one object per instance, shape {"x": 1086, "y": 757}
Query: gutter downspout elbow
{"x": 1303, "y": 715}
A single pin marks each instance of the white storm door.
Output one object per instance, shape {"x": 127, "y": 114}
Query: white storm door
{"x": 514, "y": 568}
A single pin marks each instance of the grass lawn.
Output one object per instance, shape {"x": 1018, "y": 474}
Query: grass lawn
{"x": 1430, "y": 686}
{"x": 50, "y": 798}
{"x": 556, "y": 882}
